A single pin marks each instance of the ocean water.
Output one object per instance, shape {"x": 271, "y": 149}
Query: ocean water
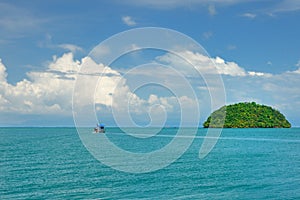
{"x": 52, "y": 163}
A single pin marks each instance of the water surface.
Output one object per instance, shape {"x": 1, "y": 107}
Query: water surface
{"x": 52, "y": 163}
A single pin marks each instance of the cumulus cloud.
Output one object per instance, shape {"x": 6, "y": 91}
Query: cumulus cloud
{"x": 128, "y": 21}
{"x": 44, "y": 92}
{"x": 296, "y": 71}
{"x": 228, "y": 68}
{"x": 204, "y": 64}
{"x": 3, "y": 73}
{"x": 207, "y": 65}
{"x": 49, "y": 92}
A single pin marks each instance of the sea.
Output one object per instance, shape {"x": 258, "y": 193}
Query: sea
{"x": 54, "y": 163}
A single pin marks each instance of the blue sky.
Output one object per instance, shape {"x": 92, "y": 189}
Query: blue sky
{"x": 36, "y": 37}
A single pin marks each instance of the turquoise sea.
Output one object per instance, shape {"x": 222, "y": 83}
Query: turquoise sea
{"x": 52, "y": 163}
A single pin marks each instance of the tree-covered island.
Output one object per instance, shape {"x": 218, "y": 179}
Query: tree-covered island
{"x": 246, "y": 115}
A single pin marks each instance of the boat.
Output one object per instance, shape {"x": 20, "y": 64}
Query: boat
{"x": 100, "y": 128}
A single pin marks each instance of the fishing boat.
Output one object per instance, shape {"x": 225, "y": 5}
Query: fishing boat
{"x": 100, "y": 128}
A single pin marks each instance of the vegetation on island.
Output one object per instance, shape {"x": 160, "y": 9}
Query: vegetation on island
{"x": 246, "y": 115}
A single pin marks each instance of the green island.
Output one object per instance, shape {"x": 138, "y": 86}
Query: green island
{"x": 246, "y": 115}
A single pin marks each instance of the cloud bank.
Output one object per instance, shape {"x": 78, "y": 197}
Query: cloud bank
{"x": 49, "y": 92}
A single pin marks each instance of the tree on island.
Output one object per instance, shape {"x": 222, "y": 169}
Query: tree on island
{"x": 246, "y": 115}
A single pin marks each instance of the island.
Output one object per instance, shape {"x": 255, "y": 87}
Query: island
{"x": 246, "y": 115}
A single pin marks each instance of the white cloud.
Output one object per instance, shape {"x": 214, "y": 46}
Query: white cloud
{"x": 204, "y": 64}
{"x": 100, "y": 50}
{"x": 279, "y": 6}
{"x": 285, "y": 6}
{"x": 212, "y": 10}
{"x": 249, "y": 15}
{"x": 228, "y": 68}
{"x": 128, "y": 21}
{"x": 259, "y": 74}
{"x": 3, "y": 73}
{"x": 49, "y": 92}
{"x": 207, "y": 65}
{"x": 296, "y": 71}
{"x": 170, "y": 4}
{"x": 47, "y": 43}
{"x": 44, "y": 92}
{"x": 278, "y": 90}
{"x": 70, "y": 47}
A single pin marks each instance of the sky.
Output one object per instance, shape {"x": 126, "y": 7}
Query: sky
{"x": 254, "y": 46}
